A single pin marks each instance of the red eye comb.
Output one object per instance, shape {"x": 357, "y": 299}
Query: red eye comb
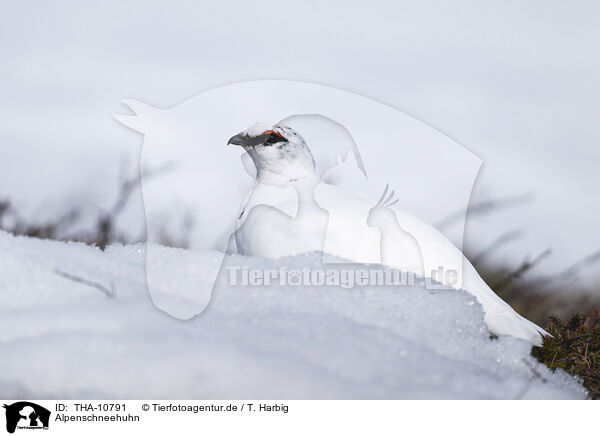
{"x": 272, "y": 131}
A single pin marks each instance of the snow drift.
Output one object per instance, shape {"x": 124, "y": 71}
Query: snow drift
{"x": 60, "y": 338}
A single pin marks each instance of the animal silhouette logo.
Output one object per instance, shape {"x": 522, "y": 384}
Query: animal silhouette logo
{"x": 398, "y": 247}
{"x": 26, "y": 415}
{"x": 433, "y": 173}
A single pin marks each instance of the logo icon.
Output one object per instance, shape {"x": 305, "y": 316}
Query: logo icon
{"x": 26, "y": 415}
{"x": 303, "y": 178}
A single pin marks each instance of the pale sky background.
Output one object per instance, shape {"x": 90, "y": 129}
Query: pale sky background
{"x": 515, "y": 82}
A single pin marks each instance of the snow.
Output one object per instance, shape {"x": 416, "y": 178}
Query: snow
{"x": 64, "y": 339}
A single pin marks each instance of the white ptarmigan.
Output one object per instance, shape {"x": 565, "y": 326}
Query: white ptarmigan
{"x": 290, "y": 211}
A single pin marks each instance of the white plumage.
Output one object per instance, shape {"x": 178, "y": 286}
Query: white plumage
{"x": 291, "y": 211}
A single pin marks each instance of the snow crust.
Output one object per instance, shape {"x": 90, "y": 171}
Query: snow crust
{"x": 63, "y": 339}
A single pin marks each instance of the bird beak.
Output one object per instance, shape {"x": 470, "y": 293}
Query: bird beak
{"x": 238, "y": 140}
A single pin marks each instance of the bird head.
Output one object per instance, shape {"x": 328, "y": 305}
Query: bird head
{"x": 280, "y": 154}
{"x": 382, "y": 213}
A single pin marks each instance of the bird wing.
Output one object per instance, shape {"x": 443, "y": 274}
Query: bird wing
{"x": 348, "y": 237}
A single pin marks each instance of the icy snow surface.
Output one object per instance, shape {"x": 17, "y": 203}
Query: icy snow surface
{"x": 64, "y": 339}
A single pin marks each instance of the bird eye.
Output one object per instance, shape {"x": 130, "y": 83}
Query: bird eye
{"x": 274, "y": 137}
